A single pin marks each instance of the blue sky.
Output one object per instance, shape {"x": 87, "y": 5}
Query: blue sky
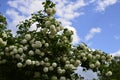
{"x": 95, "y": 22}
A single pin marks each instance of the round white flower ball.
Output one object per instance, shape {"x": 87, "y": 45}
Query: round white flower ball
{"x": 15, "y": 50}
{"x": 45, "y": 69}
{"x": 47, "y": 23}
{"x": 82, "y": 54}
{"x": 1, "y": 40}
{"x": 37, "y": 51}
{"x": 37, "y": 63}
{"x": 11, "y": 47}
{"x": 31, "y": 53}
{"x": 103, "y": 57}
{"x": 92, "y": 66}
{"x": 58, "y": 29}
{"x": 109, "y": 73}
{"x": 17, "y": 56}
{"x": 28, "y": 37}
{"x": 97, "y": 56}
{"x": 52, "y": 27}
{"x": 4, "y": 43}
{"x": 54, "y": 64}
{"x": 108, "y": 56}
{"x": 90, "y": 56}
{"x": 46, "y": 59}
{"x": 97, "y": 63}
{"x": 84, "y": 58}
{"x": 24, "y": 41}
{"x": 42, "y": 54}
{"x": 25, "y": 48}
{"x": 59, "y": 70}
{"x": 4, "y": 35}
{"x": 46, "y": 44}
{"x": 19, "y": 65}
{"x": 38, "y": 44}
{"x": 50, "y": 11}
{"x": 43, "y": 41}
{"x": 6, "y": 49}
{"x": 20, "y": 50}
{"x": 77, "y": 63}
{"x": 33, "y": 62}
{"x": 28, "y": 62}
{"x": 51, "y": 68}
{"x": 42, "y": 63}
{"x": 62, "y": 78}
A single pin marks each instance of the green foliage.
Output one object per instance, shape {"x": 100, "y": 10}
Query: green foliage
{"x": 46, "y": 53}
{"x": 115, "y": 68}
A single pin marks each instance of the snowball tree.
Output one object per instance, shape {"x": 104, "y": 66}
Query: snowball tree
{"x": 47, "y": 52}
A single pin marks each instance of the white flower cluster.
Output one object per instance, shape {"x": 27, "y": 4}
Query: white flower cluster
{"x": 3, "y": 43}
{"x": 51, "y": 11}
{"x": 109, "y": 73}
{"x": 49, "y": 52}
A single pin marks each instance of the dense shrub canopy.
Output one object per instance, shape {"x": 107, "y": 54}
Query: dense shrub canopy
{"x": 46, "y": 53}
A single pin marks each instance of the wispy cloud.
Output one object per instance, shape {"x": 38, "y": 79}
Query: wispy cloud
{"x": 92, "y": 33}
{"x": 103, "y": 4}
{"x": 117, "y": 53}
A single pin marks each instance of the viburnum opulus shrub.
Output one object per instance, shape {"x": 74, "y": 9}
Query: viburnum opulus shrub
{"x": 46, "y": 53}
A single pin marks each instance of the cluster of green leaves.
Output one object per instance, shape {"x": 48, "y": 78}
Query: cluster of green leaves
{"x": 47, "y": 52}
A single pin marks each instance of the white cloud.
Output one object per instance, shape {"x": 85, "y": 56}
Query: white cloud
{"x": 26, "y": 7}
{"x": 92, "y": 32}
{"x": 117, "y": 53}
{"x": 103, "y": 4}
{"x": 16, "y": 18}
{"x": 20, "y": 10}
{"x": 67, "y": 11}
